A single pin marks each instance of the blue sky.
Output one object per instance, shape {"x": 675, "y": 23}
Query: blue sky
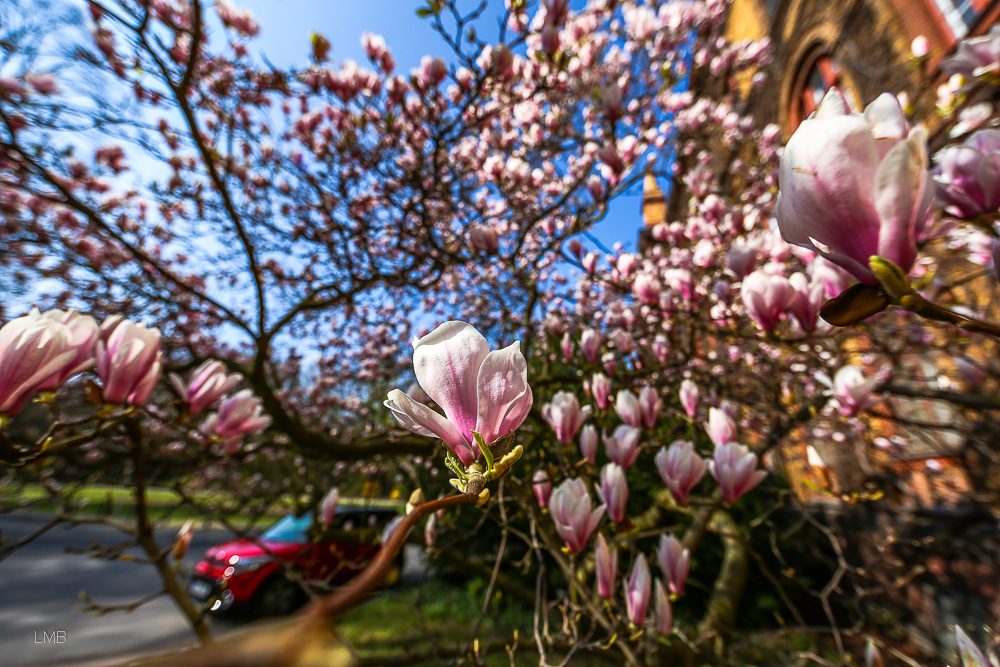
{"x": 286, "y": 26}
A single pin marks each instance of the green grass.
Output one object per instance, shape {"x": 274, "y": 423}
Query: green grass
{"x": 414, "y": 619}
{"x": 439, "y": 613}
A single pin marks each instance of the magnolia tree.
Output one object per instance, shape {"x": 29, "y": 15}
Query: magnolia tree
{"x": 269, "y": 241}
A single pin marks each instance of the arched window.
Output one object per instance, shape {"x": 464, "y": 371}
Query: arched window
{"x": 817, "y": 75}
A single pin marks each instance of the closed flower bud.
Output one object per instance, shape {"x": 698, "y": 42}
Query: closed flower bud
{"x": 613, "y": 491}
{"x": 605, "y": 567}
{"x": 588, "y": 444}
{"x": 637, "y": 592}
{"x": 675, "y": 561}
{"x": 542, "y": 487}
{"x": 622, "y": 446}
{"x": 328, "y": 507}
{"x": 573, "y": 515}
{"x": 721, "y": 427}
{"x": 128, "y": 361}
{"x": 565, "y": 416}
{"x": 627, "y": 407}
{"x": 664, "y": 611}
{"x": 734, "y": 467}
{"x": 680, "y": 468}
{"x": 689, "y": 398}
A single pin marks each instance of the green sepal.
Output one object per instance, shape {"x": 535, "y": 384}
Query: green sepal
{"x": 484, "y": 448}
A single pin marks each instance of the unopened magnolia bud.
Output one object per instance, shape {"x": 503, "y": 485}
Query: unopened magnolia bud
{"x": 416, "y": 498}
{"x": 183, "y": 541}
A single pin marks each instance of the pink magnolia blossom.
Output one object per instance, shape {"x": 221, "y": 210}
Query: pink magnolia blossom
{"x": 741, "y": 260}
{"x": 675, "y": 561}
{"x": 766, "y": 297}
{"x": 734, "y": 467}
{"x": 664, "y": 611}
{"x": 967, "y": 176}
{"x": 328, "y": 507}
{"x": 977, "y": 56}
{"x": 240, "y": 20}
{"x": 650, "y": 405}
{"x": 605, "y": 567}
{"x": 479, "y": 390}
{"x": 622, "y": 446}
{"x": 855, "y": 185}
{"x": 567, "y": 347}
{"x": 613, "y": 491}
{"x": 588, "y": 444}
{"x": 721, "y": 427}
{"x": 680, "y": 468}
{"x": 209, "y": 383}
{"x": 128, "y": 361}
{"x": 32, "y": 349}
{"x": 565, "y": 416}
{"x": 590, "y": 344}
{"x": 851, "y": 390}
{"x": 647, "y": 288}
{"x": 834, "y": 278}
{"x": 484, "y": 240}
{"x": 239, "y": 415}
{"x": 572, "y": 513}
{"x": 431, "y": 531}
{"x": 627, "y": 407}
{"x": 600, "y": 389}
{"x": 967, "y": 650}
{"x": 638, "y": 588}
{"x": 689, "y": 398}
{"x": 808, "y": 298}
{"x": 81, "y": 335}
{"x": 541, "y": 485}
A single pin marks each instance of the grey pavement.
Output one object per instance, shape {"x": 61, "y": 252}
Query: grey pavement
{"x": 41, "y": 625}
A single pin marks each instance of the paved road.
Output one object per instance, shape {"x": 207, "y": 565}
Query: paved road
{"x": 39, "y": 589}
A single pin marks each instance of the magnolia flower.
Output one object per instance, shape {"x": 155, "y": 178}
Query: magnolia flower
{"x": 588, "y": 444}
{"x": 479, "y": 390}
{"x": 430, "y": 531}
{"x": 81, "y": 334}
{"x": 605, "y": 567}
{"x": 238, "y": 415}
{"x": 967, "y": 650}
{"x": 590, "y": 344}
{"x": 807, "y": 299}
{"x": 766, "y": 297}
{"x": 328, "y": 507}
{"x": 600, "y": 389}
{"x": 977, "y": 56}
{"x": 675, "y": 562}
{"x": 741, "y": 259}
{"x": 484, "y": 239}
{"x": 209, "y": 383}
{"x": 967, "y": 176}
{"x": 721, "y": 427}
{"x": 647, "y": 288}
{"x": 850, "y": 389}
{"x": 689, "y": 398}
{"x": 613, "y": 491}
{"x": 734, "y": 467}
{"x": 622, "y": 446}
{"x": 570, "y": 507}
{"x": 664, "y": 611}
{"x": 542, "y": 487}
{"x": 565, "y": 416}
{"x": 31, "y": 351}
{"x": 627, "y": 407}
{"x": 834, "y": 278}
{"x": 128, "y": 361}
{"x": 873, "y": 657}
{"x": 680, "y": 468}
{"x": 650, "y": 405}
{"x": 637, "y": 591}
{"x": 855, "y": 185}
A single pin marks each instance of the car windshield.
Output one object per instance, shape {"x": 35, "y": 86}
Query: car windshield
{"x": 289, "y": 529}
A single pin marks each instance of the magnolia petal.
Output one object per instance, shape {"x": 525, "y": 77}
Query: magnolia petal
{"x": 501, "y": 386}
{"x": 900, "y": 181}
{"x": 420, "y": 419}
{"x": 446, "y": 362}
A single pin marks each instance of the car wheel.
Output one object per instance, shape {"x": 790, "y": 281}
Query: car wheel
{"x": 278, "y": 596}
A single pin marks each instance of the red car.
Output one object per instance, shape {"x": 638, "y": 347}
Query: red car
{"x": 254, "y": 573}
